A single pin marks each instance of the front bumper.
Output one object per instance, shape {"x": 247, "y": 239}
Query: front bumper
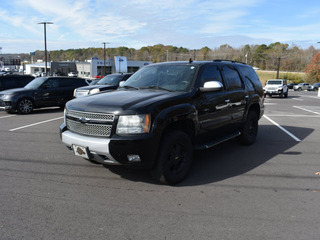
{"x": 116, "y": 150}
{"x": 5, "y": 105}
{"x": 273, "y": 92}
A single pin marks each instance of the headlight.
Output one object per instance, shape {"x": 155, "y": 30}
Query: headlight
{"x": 95, "y": 90}
{"x": 132, "y": 124}
{"x": 8, "y": 96}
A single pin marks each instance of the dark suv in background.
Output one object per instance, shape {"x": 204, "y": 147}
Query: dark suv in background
{"x": 41, "y": 92}
{"x": 163, "y": 112}
{"x": 109, "y": 82}
{"x": 14, "y": 81}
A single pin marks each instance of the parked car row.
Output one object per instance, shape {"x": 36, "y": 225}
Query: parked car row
{"x": 301, "y": 86}
{"x": 109, "y": 82}
{"x": 314, "y": 87}
{"x": 40, "y": 92}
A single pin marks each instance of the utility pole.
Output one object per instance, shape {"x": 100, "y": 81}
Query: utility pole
{"x": 104, "y": 57}
{"x": 45, "y": 44}
{"x": 278, "y": 68}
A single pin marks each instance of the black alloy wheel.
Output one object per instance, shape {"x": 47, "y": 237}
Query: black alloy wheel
{"x": 25, "y": 106}
{"x": 249, "y": 129}
{"x": 174, "y": 158}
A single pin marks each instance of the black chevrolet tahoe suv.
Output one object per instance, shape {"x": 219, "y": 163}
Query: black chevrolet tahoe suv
{"x": 163, "y": 112}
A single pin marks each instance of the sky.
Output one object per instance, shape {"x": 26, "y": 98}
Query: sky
{"x": 192, "y": 24}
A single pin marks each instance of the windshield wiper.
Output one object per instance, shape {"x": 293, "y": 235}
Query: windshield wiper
{"x": 128, "y": 86}
{"x": 156, "y": 87}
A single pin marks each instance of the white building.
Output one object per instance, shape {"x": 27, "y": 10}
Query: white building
{"x": 88, "y": 69}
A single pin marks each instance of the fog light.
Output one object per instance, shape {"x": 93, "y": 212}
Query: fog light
{"x": 134, "y": 158}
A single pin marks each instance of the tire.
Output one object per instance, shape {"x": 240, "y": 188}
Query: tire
{"x": 249, "y": 129}
{"x": 281, "y": 95}
{"x": 25, "y": 106}
{"x": 174, "y": 158}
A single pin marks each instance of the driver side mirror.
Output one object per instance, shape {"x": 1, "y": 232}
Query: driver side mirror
{"x": 45, "y": 86}
{"x": 121, "y": 83}
{"x": 212, "y": 86}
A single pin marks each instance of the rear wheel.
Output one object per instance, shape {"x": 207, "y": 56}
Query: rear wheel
{"x": 249, "y": 130}
{"x": 25, "y": 106}
{"x": 174, "y": 158}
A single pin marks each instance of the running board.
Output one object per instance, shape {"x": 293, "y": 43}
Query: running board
{"x": 218, "y": 141}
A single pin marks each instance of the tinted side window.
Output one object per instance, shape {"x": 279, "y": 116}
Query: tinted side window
{"x": 65, "y": 82}
{"x": 53, "y": 83}
{"x": 125, "y": 77}
{"x": 231, "y": 78}
{"x": 71, "y": 82}
{"x": 12, "y": 83}
{"x": 78, "y": 82}
{"x": 250, "y": 74}
{"x": 210, "y": 73}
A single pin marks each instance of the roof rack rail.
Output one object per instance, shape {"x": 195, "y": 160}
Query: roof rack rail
{"x": 225, "y": 60}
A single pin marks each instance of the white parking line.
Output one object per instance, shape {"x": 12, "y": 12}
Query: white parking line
{"x": 306, "y": 110}
{"x": 270, "y": 104}
{"x": 8, "y": 116}
{"x": 30, "y": 125}
{"x": 290, "y": 115}
{"x": 283, "y": 129}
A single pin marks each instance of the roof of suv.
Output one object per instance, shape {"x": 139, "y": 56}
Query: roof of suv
{"x": 205, "y": 62}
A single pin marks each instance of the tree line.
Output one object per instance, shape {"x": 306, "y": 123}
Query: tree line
{"x": 275, "y": 56}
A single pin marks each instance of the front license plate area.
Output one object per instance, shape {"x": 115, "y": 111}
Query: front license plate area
{"x": 81, "y": 151}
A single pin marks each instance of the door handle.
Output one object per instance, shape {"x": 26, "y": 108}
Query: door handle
{"x": 227, "y": 101}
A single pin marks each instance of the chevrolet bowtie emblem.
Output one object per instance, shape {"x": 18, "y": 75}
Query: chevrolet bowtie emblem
{"x": 83, "y": 120}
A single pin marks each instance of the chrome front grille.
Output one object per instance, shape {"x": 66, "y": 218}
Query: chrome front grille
{"x": 90, "y": 115}
{"x": 99, "y": 130}
{"x": 91, "y": 124}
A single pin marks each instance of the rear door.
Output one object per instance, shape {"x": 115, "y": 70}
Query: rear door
{"x": 236, "y": 95}
{"x": 67, "y": 86}
{"x": 45, "y": 96}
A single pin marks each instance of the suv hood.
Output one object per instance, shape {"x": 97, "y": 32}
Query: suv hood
{"x": 15, "y": 90}
{"x": 121, "y": 101}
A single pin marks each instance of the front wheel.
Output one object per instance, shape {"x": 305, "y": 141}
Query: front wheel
{"x": 25, "y": 106}
{"x": 249, "y": 129}
{"x": 174, "y": 158}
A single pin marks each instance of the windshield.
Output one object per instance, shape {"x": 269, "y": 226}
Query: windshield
{"x": 274, "y": 82}
{"x": 166, "y": 77}
{"x": 110, "y": 80}
{"x": 36, "y": 83}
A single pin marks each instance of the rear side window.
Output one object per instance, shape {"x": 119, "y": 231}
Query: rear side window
{"x": 210, "y": 73}
{"x": 72, "y": 82}
{"x": 78, "y": 82}
{"x": 232, "y": 78}
{"x": 251, "y": 75}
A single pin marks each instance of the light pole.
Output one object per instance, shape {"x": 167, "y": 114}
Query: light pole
{"x": 104, "y": 57}
{"x": 45, "y": 44}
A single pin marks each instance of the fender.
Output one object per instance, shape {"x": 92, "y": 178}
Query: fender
{"x": 180, "y": 112}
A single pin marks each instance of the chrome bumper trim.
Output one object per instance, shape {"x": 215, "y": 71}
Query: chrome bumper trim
{"x": 98, "y": 147}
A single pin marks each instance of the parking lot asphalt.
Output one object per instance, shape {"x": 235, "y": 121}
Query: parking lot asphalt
{"x": 269, "y": 190}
